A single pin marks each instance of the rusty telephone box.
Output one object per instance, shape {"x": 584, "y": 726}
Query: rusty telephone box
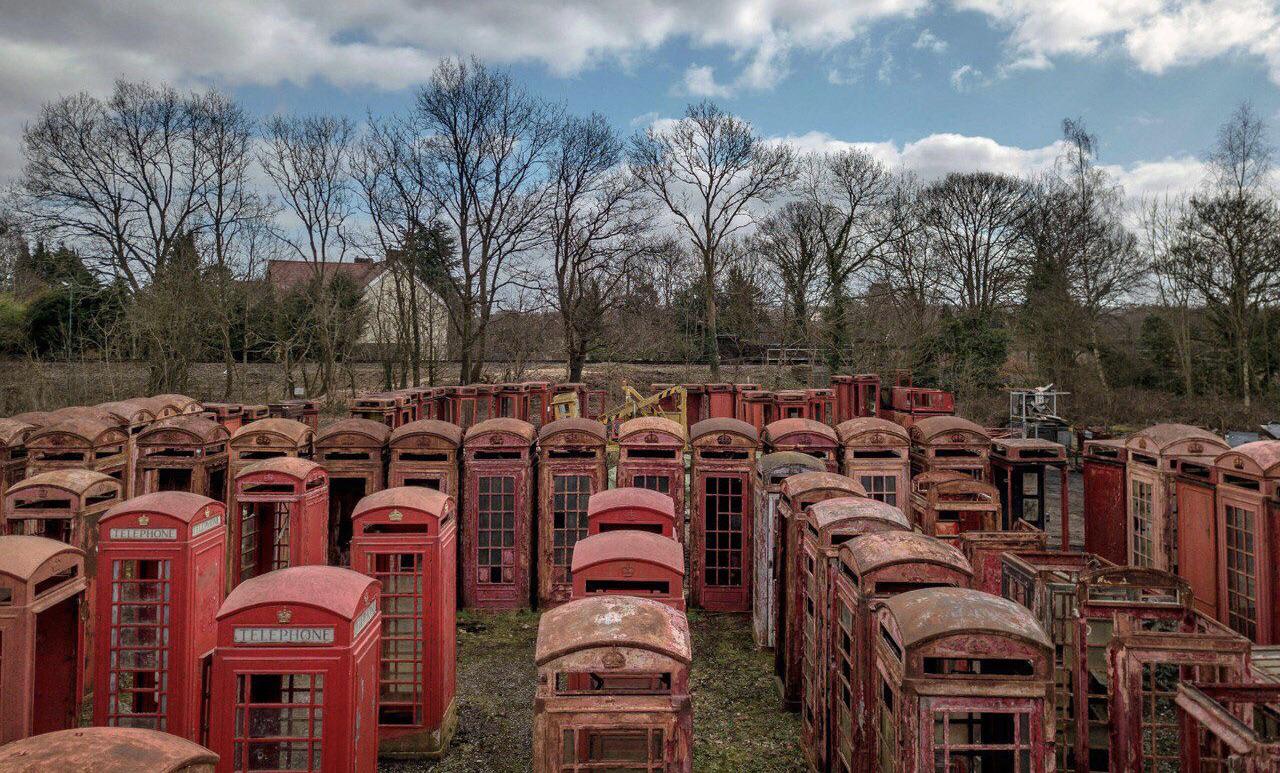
{"x": 229, "y": 415}
{"x": 1151, "y": 527}
{"x": 805, "y": 436}
{"x": 183, "y": 453}
{"x": 631, "y": 509}
{"x": 871, "y": 568}
{"x": 696, "y": 404}
{"x": 281, "y": 519}
{"x": 963, "y": 680}
{"x": 81, "y": 443}
{"x": 406, "y": 539}
{"x": 985, "y": 551}
{"x": 613, "y": 687}
{"x": 354, "y": 453}
{"x": 107, "y": 750}
{"x": 796, "y": 495}
{"x": 877, "y": 453}
{"x": 771, "y": 471}
{"x": 950, "y": 443}
{"x": 721, "y": 401}
{"x": 265, "y": 439}
{"x": 497, "y": 514}
{"x": 1020, "y": 468}
{"x": 1247, "y": 544}
{"x": 651, "y": 455}
{"x": 426, "y": 453}
{"x": 305, "y": 411}
{"x": 856, "y": 396}
{"x": 723, "y": 470}
{"x": 946, "y": 504}
{"x": 172, "y": 404}
{"x": 756, "y": 407}
{"x": 13, "y": 456}
{"x": 829, "y": 525}
{"x": 571, "y": 467}
{"x": 161, "y": 565}
{"x": 1105, "y": 499}
{"x": 295, "y": 672}
{"x": 1228, "y": 726}
{"x": 382, "y": 407}
{"x": 790, "y": 404}
{"x": 1195, "y": 497}
{"x": 629, "y": 563}
{"x": 43, "y": 584}
{"x": 822, "y": 406}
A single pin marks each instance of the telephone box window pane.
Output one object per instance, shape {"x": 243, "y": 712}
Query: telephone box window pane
{"x": 1142, "y": 548}
{"x": 279, "y": 722}
{"x": 723, "y": 549}
{"x": 569, "y": 521}
{"x": 986, "y": 740}
{"x": 400, "y": 699}
{"x": 881, "y": 487}
{"x": 496, "y": 530}
{"x": 1161, "y": 739}
{"x": 659, "y": 483}
{"x": 1242, "y": 571}
{"x": 138, "y": 684}
{"x": 598, "y": 749}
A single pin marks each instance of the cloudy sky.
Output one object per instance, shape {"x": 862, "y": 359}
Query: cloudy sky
{"x": 934, "y": 85}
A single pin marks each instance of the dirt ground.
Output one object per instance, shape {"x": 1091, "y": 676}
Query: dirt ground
{"x": 738, "y": 720}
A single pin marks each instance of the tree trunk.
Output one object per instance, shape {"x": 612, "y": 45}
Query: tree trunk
{"x": 711, "y": 335}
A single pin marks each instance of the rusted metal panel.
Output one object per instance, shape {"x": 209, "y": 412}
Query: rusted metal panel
{"x": 829, "y": 524}
{"x": 305, "y": 638}
{"x": 723, "y": 472}
{"x": 962, "y": 678}
{"x": 651, "y": 456}
{"x": 229, "y": 415}
{"x": 406, "y": 539}
{"x": 797, "y": 494}
{"x": 354, "y": 453}
{"x": 985, "y": 551}
{"x": 84, "y": 442}
{"x": 107, "y": 750}
{"x": 613, "y": 673}
{"x": 1105, "y": 499}
{"x": 386, "y": 408}
{"x": 806, "y": 436}
{"x": 946, "y": 504}
{"x": 183, "y": 453}
{"x": 281, "y": 519}
{"x": 696, "y": 403}
{"x": 571, "y": 467}
{"x": 771, "y": 471}
{"x": 1228, "y": 726}
{"x": 426, "y": 453}
{"x": 877, "y": 453}
{"x": 160, "y": 577}
{"x": 497, "y": 514}
{"x": 1246, "y": 548}
{"x": 634, "y": 509}
{"x": 757, "y": 408}
{"x": 721, "y": 401}
{"x": 1151, "y": 525}
{"x": 42, "y": 650}
{"x": 950, "y": 443}
{"x": 630, "y": 563}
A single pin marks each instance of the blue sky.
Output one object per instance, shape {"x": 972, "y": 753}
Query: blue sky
{"x": 933, "y": 85}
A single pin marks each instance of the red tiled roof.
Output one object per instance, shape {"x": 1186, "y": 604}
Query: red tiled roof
{"x": 288, "y": 274}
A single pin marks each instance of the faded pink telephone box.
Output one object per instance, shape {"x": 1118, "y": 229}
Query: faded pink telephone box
{"x": 651, "y": 455}
{"x": 571, "y": 467}
{"x": 724, "y": 461}
{"x": 630, "y": 563}
{"x": 497, "y": 515}
{"x": 282, "y": 520}
{"x": 183, "y": 453}
{"x": 631, "y": 509}
{"x": 1248, "y": 540}
{"x": 295, "y": 673}
{"x": 354, "y": 453}
{"x": 41, "y": 683}
{"x": 426, "y": 453}
{"x": 805, "y": 436}
{"x": 406, "y": 539}
{"x": 161, "y": 561}
{"x": 877, "y": 454}
{"x": 107, "y": 750}
{"x": 950, "y": 443}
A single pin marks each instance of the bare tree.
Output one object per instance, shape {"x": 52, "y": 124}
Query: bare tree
{"x": 708, "y": 169}
{"x": 1159, "y": 224}
{"x": 1241, "y": 159}
{"x": 789, "y": 242}
{"x": 972, "y": 224}
{"x": 307, "y": 158}
{"x": 596, "y": 223}
{"x": 488, "y": 139}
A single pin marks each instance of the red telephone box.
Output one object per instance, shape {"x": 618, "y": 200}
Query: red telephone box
{"x": 986, "y": 550}
{"x": 571, "y": 467}
{"x": 406, "y": 538}
{"x": 382, "y": 407}
{"x": 1105, "y": 500}
{"x": 295, "y": 673}
{"x": 632, "y": 509}
{"x": 107, "y": 750}
{"x": 866, "y": 395}
{"x": 871, "y": 568}
{"x": 720, "y": 401}
{"x": 830, "y": 524}
{"x": 425, "y": 453}
{"x": 81, "y": 443}
{"x": 43, "y": 583}
{"x": 724, "y": 460}
{"x": 1151, "y": 527}
{"x": 877, "y": 454}
{"x": 756, "y": 408}
{"x": 252, "y": 413}
{"x": 305, "y": 411}
{"x": 770, "y": 472}
{"x": 630, "y": 563}
{"x": 497, "y": 514}
{"x": 946, "y": 504}
{"x": 13, "y": 456}
{"x": 353, "y": 452}
{"x": 466, "y": 406}
{"x": 282, "y": 519}
{"x": 822, "y": 405}
{"x": 1248, "y": 543}
{"x": 791, "y": 404}
{"x": 805, "y": 436}
{"x": 696, "y": 408}
{"x": 265, "y": 439}
{"x": 538, "y": 402}
{"x": 161, "y": 564}
{"x": 486, "y": 402}
{"x": 1218, "y": 720}
{"x": 613, "y": 687}
{"x": 1019, "y": 467}
{"x": 963, "y": 681}
{"x": 842, "y": 386}
{"x": 798, "y": 493}
{"x": 183, "y": 453}
{"x": 651, "y": 455}
{"x": 1195, "y": 492}
{"x": 950, "y": 443}
{"x": 229, "y": 415}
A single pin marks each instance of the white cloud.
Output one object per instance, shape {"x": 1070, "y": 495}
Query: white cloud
{"x": 965, "y": 77}
{"x": 700, "y": 81}
{"x": 928, "y": 41}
